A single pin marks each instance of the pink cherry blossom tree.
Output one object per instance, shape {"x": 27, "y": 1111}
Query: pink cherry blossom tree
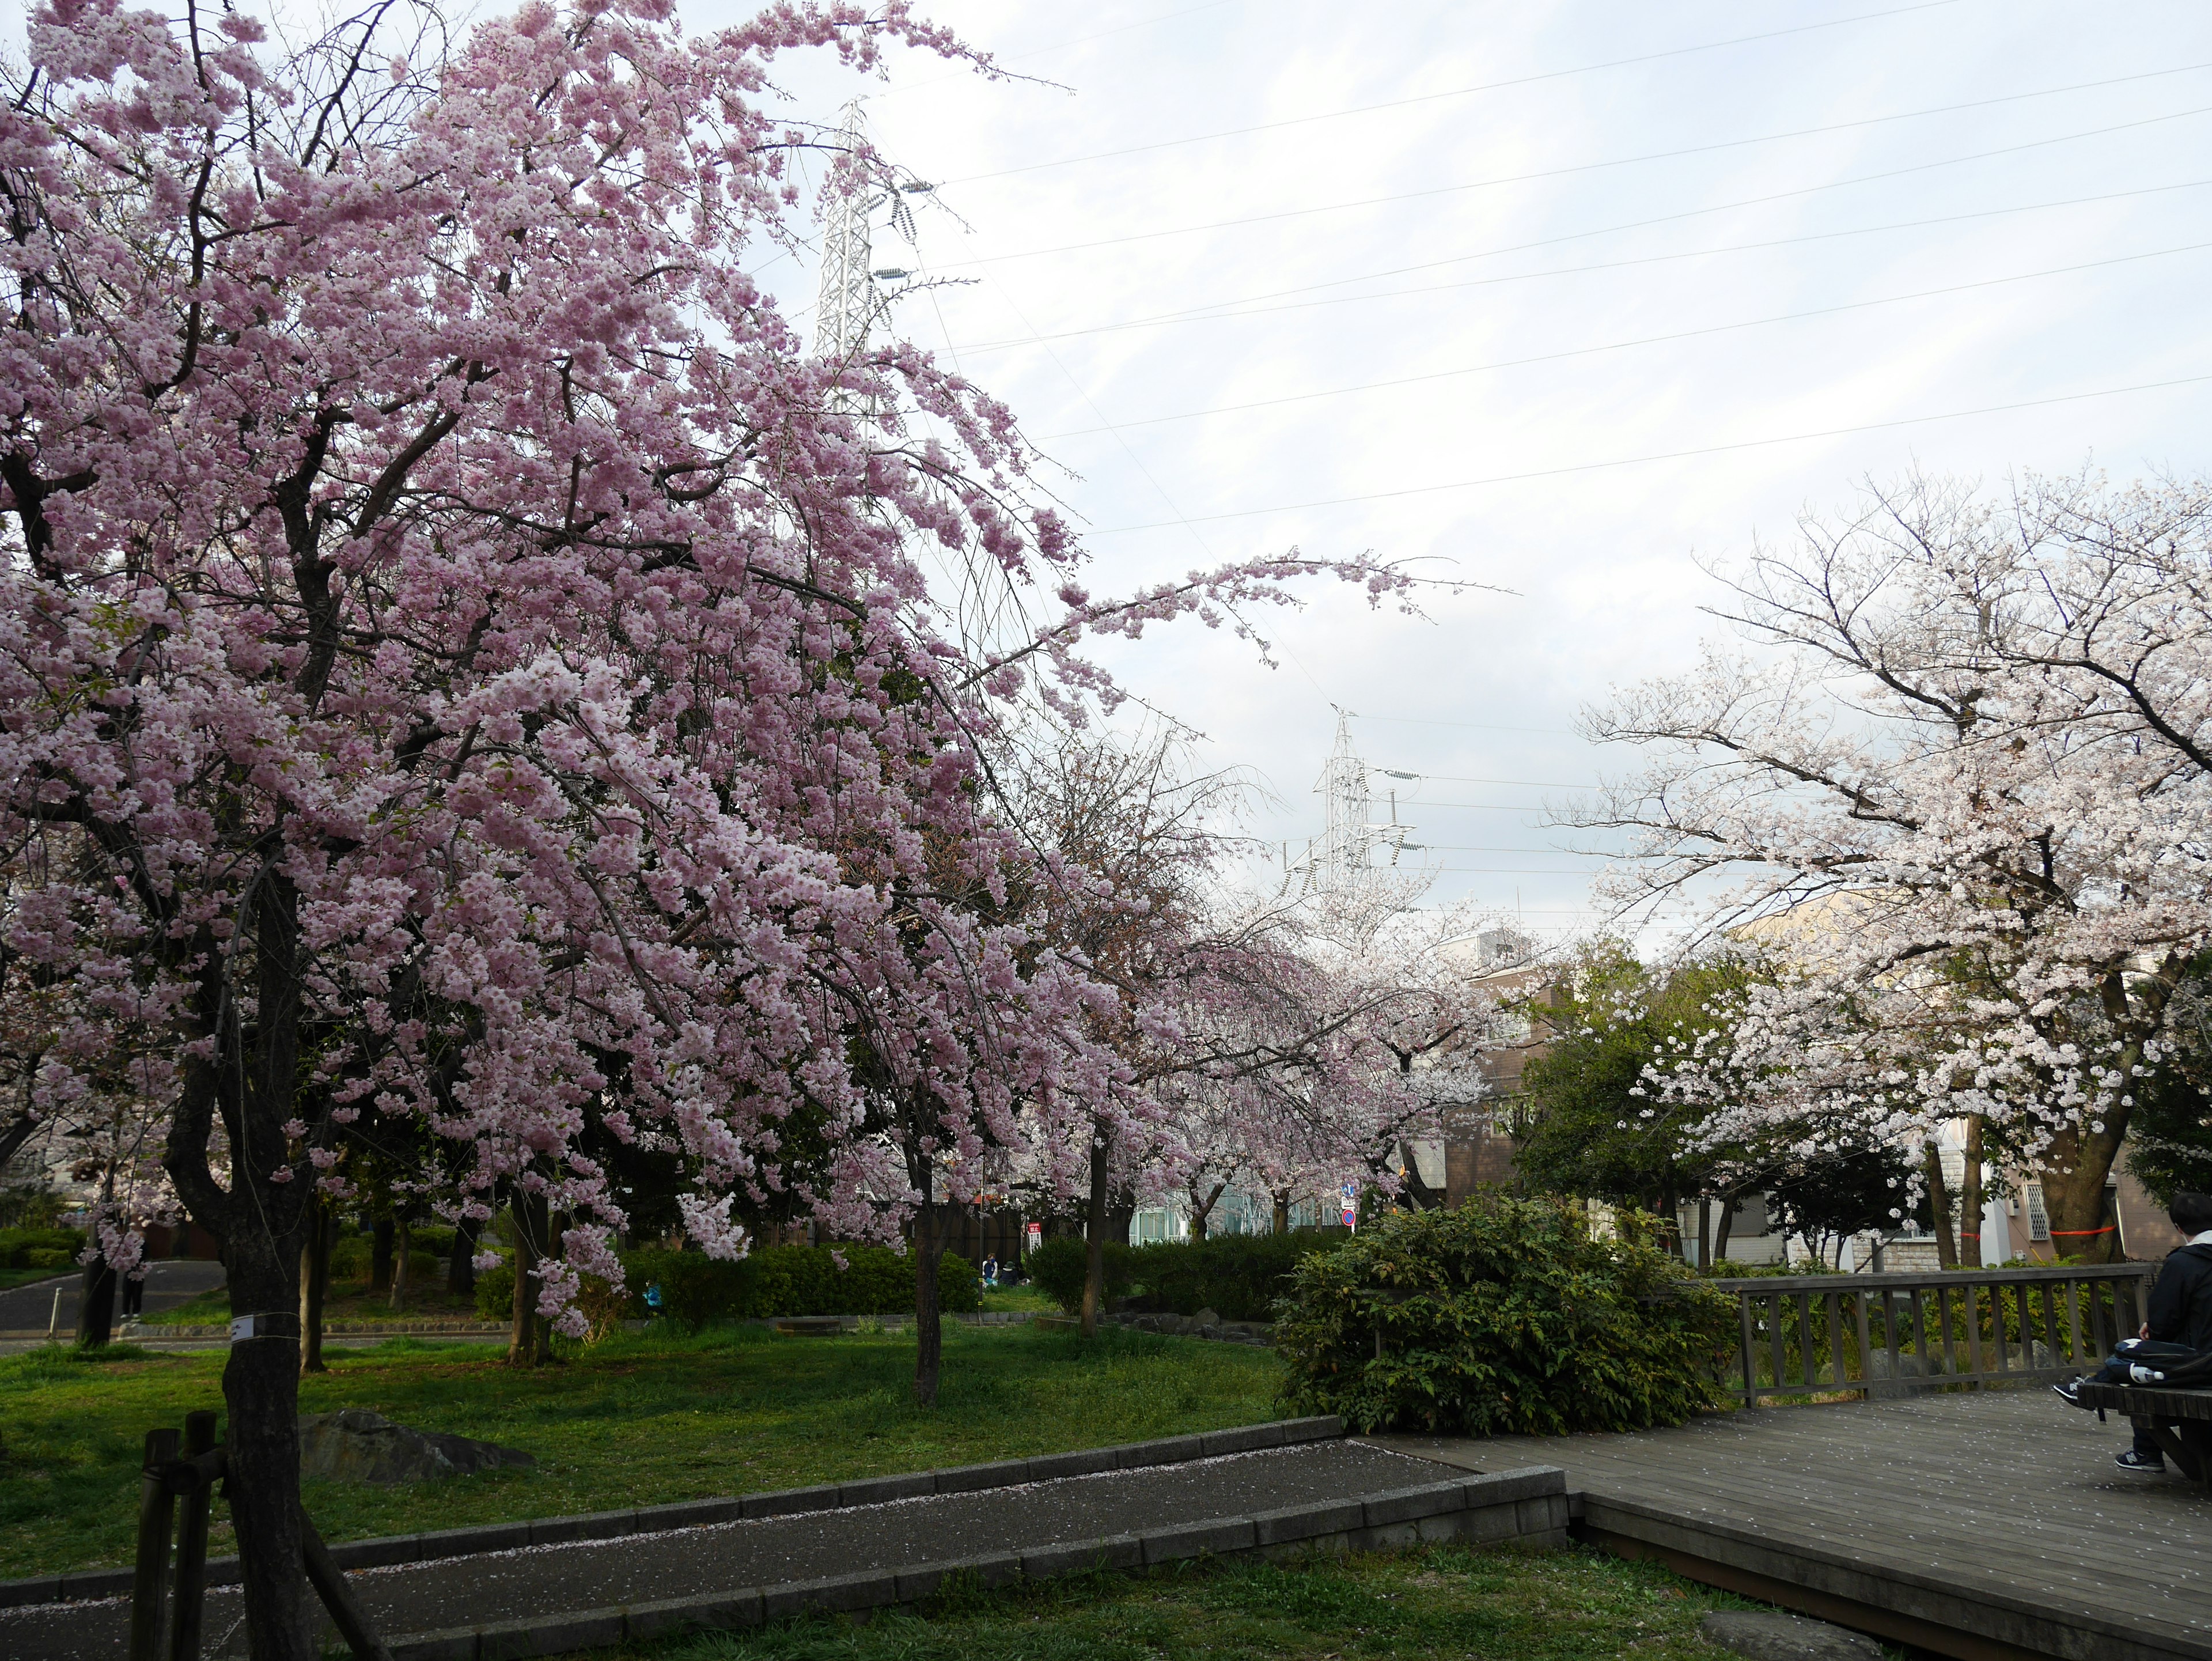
{"x": 460, "y": 657}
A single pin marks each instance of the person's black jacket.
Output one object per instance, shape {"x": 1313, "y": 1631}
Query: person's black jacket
{"x": 2181, "y": 1303}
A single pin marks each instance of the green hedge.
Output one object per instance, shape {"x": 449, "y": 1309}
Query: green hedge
{"x": 774, "y": 1281}
{"x": 1058, "y": 1266}
{"x": 352, "y": 1256}
{"x": 40, "y": 1248}
{"x": 1503, "y": 1316}
{"x": 1237, "y": 1276}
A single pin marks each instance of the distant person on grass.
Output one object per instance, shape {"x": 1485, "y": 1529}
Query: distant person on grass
{"x": 2179, "y": 1327}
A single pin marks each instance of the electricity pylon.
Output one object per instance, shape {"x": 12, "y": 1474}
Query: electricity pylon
{"x": 847, "y": 304}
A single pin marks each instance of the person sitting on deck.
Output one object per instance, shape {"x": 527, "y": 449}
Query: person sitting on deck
{"x": 2180, "y": 1324}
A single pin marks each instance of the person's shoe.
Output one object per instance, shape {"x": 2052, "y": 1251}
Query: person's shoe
{"x": 2143, "y": 1464}
{"x": 2068, "y": 1390}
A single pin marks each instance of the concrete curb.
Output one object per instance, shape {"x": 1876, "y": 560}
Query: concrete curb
{"x": 1524, "y": 1504}
{"x": 92, "y": 1584}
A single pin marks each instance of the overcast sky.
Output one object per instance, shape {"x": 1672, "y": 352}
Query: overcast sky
{"x": 1573, "y": 236}
{"x": 1561, "y": 298}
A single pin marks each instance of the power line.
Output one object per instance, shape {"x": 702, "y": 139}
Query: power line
{"x": 1477, "y": 726}
{"x": 1515, "y": 179}
{"x": 1624, "y": 345}
{"x": 1456, "y": 778}
{"x": 1022, "y": 57}
{"x": 1218, "y": 311}
{"x": 1455, "y": 92}
{"x": 1666, "y": 455}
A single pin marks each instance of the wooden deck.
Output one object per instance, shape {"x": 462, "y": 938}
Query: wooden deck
{"x": 1982, "y": 1525}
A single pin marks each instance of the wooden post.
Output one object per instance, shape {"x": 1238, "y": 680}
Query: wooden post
{"x": 149, "y": 1582}
{"x": 1750, "y": 1351}
{"x": 192, "y": 1547}
{"x": 330, "y": 1584}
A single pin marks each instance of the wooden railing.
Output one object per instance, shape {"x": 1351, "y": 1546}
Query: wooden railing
{"x": 1882, "y": 1334}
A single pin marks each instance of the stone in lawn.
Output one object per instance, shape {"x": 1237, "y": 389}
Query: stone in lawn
{"x": 1764, "y": 1636}
{"x": 356, "y": 1445}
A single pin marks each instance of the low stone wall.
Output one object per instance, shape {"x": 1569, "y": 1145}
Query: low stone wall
{"x": 1530, "y": 1505}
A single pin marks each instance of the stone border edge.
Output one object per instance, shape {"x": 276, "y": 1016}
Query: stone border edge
{"x": 93, "y": 1583}
{"x": 1531, "y": 1503}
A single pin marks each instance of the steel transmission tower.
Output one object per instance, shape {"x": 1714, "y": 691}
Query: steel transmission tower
{"x": 847, "y": 303}
{"x": 1341, "y": 863}
{"x": 1343, "y": 788}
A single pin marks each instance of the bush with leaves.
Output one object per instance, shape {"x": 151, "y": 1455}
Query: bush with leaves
{"x": 1504, "y": 1317}
{"x": 1238, "y": 1276}
{"x": 39, "y": 1248}
{"x": 1056, "y": 1267}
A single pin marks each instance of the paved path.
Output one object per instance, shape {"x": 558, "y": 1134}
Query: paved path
{"x": 169, "y": 1282}
{"x": 730, "y": 1556}
{"x": 2007, "y": 1492}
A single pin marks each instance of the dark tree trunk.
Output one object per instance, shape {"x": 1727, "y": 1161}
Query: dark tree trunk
{"x": 380, "y": 1256}
{"x": 526, "y": 1344}
{"x": 928, "y": 1321}
{"x": 260, "y": 1220}
{"x": 314, "y": 1284}
{"x": 460, "y": 1269}
{"x": 1202, "y": 1209}
{"x": 403, "y": 1244}
{"x": 1726, "y": 1226}
{"x": 1939, "y": 1207}
{"x": 95, "y": 1304}
{"x": 1424, "y": 1197}
{"x": 1093, "y": 1232}
{"x": 1282, "y": 1200}
{"x": 2074, "y": 1171}
{"x": 1705, "y": 1233}
{"x": 261, "y": 1387}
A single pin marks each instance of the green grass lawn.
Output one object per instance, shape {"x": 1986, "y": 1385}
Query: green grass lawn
{"x": 632, "y": 1422}
{"x": 346, "y": 1301}
{"x": 1507, "y": 1603}
{"x": 1026, "y": 1298}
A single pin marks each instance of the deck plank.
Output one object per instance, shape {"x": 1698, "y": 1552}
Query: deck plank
{"x": 2002, "y": 1492}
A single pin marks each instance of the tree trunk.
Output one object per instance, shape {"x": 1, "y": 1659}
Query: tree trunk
{"x": 261, "y": 1221}
{"x": 460, "y": 1269}
{"x": 1201, "y": 1210}
{"x": 1971, "y": 1253}
{"x": 1093, "y": 1232}
{"x": 1424, "y": 1197}
{"x": 402, "y": 1243}
{"x": 380, "y": 1256}
{"x": 261, "y": 1387}
{"x": 1282, "y": 1199}
{"x": 1705, "y": 1233}
{"x": 96, "y": 1305}
{"x": 1724, "y": 1228}
{"x": 526, "y": 1344}
{"x": 2074, "y": 1169}
{"x": 1938, "y": 1208}
{"x": 314, "y": 1283}
{"x": 928, "y": 1323}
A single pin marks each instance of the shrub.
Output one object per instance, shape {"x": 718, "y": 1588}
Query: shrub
{"x": 495, "y": 1293}
{"x": 776, "y": 1280}
{"x": 1239, "y": 1276}
{"x": 34, "y": 1248}
{"x": 959, "y": 1285}
{"x": 1057, "y": 1269}
{"x": 1504, "y": 1317}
